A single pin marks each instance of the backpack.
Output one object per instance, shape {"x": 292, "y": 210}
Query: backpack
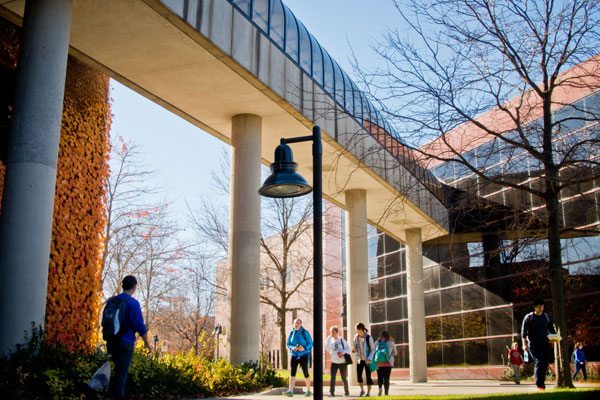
{"x": 382, "y": 352}
{"x": 112, "y": 318}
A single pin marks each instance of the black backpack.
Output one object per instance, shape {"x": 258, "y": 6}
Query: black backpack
{"x": 112, "y": 318}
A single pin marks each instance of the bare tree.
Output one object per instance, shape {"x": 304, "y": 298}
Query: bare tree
{"x": 286, "y": 275}
{"x": 139, "y": 237}
{"x": 190, "y": 315}
{"x": 286, "y": 250}
{"x": 500, "y": 75}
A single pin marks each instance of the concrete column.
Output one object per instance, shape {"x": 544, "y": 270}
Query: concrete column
{"x": 416, "y": 307}
{"x": 357, "y": 273}
{"x": 30, "y": 177}
{"x": 244, "y": 239}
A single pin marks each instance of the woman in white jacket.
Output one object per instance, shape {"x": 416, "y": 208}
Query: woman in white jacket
{"x": 337, "y": 347}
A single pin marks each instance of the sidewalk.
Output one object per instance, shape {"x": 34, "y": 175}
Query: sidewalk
{"x": 405, "y": 388}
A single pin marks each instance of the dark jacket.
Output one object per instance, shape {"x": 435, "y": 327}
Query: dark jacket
{"x": 536, "y": 328}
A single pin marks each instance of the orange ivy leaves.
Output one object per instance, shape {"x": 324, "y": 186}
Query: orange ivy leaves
{"x": 73, "y": 298}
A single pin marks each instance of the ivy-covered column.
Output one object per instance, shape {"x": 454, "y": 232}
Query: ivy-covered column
{"x": 30, "y": 177}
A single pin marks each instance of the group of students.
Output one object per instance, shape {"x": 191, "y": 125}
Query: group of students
{"x": 370, "y": 355}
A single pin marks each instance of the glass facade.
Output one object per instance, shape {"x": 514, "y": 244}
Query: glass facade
{"x": 466, "y": 323}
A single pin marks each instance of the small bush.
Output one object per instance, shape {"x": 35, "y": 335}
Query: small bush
{"x": 40, "y": 370}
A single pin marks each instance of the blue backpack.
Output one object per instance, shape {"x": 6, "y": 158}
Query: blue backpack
{"x": 382, "y": 352}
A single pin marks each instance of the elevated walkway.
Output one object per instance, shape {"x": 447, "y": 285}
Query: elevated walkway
{"x": 210, "y": 60}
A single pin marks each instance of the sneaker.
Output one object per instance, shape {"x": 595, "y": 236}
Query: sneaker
{"x": 346, "y": 394}
{"x": 288, "y": 393}
{"x": 541, "y": 388}
{"x": 367, "y": 395}
{"x": 307, "y": 394}
{"x": 331, "y": 394}
{"x": 379, "y": 394}
{"x": 362, "y": 393}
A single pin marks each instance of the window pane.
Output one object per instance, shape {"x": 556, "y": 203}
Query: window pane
{"x": 291, "y": 40}
{"x": 391, "y": 244}
{"x": 395, "y": 309}
{"x": 377, "y": 289}
{"x": 431, "y": 277}
{"x": 375, "y": 246}
{"x": 454, "y": 353}
{"x": 452, "y": 327}
{"x": 349, "y": 94}
{"x": 394, "y": 286}
{"x": 475, "y": 324}
{"x": 473, "y": 297}
{"x": 317, "y": 61}
{"x": 433, "y": 328}
{"x": 328, "y": 73}
{"x": 277, "y": 29}
{"x": 243, "y": 5}
{"x": 500, "y": 321}
{"x": 497, "y": 349}
{"x": 448, "y": 278}
{"x": 339, "y": 84}
{"x": 305, "y": 51}
{"x": 378, "y": 312}
{"x": 397, "y": 332}
{"x": 476, "y": 352}
{"x": 392, "y": 263}
{"x": 451, "y": 300}
{"x": 260, "y": 13}
{"x": 432, "y": 303}
{"x": 434, "y": 354}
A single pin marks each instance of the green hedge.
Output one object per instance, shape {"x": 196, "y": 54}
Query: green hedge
{"x": 41, "y": 370}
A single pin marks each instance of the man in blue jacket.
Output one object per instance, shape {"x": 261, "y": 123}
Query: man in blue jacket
{"x": 535, "y": 329}
{"x": 122, "y": 348}
{"x": 299, "y": 342}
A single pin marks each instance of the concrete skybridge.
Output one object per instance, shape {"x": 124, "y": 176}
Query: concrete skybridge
{"x": 249, "y": 73}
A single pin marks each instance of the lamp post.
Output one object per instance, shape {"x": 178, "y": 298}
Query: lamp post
{"x": 217, "y": 332}
{"x": 285, "y": 182}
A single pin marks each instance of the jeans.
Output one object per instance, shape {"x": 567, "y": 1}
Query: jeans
{"x": 122, "y": 355}
{"x": 539, "y": 352}
{"x": 580, "y": 366}
{"x": 516, "y": 369}
{"x": 383, "y": 378}
{"x": 334, "y": 369}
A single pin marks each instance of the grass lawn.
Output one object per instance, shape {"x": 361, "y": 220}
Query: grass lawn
{"x": 552, "y": 394}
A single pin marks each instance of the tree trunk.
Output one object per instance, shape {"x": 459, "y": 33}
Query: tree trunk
{"x": 563, "y": 372}
{"x": 283, "y": 340}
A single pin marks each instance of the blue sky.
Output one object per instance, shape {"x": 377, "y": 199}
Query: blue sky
{"x": 182, "y": 154}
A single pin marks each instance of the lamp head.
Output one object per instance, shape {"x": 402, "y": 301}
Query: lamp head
{"x": 284, "y": 181}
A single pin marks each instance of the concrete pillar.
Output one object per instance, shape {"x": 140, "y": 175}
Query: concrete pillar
{"x": 357, "y": 273}
{"x": 416, "y": 307}
{"x": 244, "y": 239}
{"x": 30, "y": 177}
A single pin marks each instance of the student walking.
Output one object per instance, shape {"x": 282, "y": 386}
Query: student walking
{"x": 515, "y": 359}
{"x": 534, "y": 331}
{"x": 579, "y": 360}
{"x": 365, "y": 349}
{"x": 121, "y": 347}
{"x": 337, "y": 347}
{"x": 299, "y": 342}
{"x": 385, "y": 351}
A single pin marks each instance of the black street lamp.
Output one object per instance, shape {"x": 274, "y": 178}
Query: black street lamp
{"x": 285, "y": 182}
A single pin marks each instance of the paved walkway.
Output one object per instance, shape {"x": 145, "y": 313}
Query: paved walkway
{"x": 404, "y": 388}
